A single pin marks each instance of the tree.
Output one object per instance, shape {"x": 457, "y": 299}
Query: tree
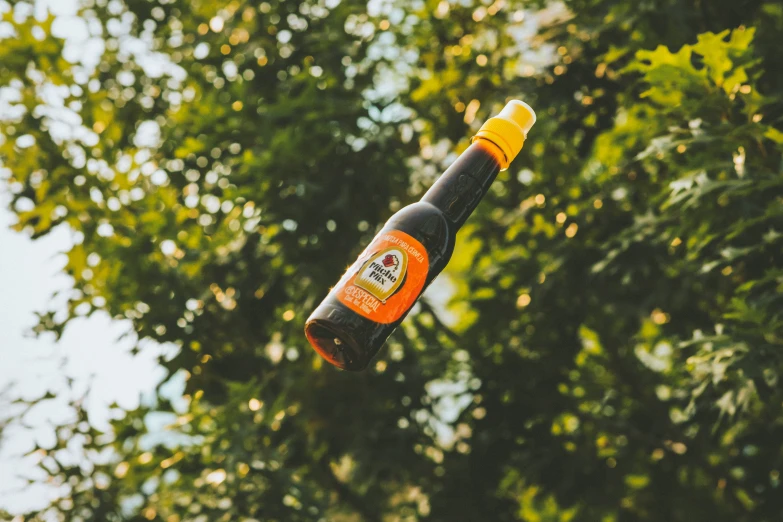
{"x": 611, "y": 350}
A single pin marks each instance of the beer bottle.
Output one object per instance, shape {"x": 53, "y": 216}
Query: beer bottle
{"x": 414, "y": 246}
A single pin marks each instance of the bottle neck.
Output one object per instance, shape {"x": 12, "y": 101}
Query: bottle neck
{"x": 459, "y": 190}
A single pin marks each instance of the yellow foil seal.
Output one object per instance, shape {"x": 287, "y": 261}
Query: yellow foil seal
{"x": 508, "y": 129}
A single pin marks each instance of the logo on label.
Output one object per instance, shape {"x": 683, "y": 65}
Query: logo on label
{"x": 383, "y": 273}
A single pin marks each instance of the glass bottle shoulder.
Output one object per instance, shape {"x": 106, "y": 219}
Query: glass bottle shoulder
{"x": 427, "y": 224}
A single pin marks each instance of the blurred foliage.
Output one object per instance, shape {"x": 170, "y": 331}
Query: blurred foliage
{"x": 612, "y": 348}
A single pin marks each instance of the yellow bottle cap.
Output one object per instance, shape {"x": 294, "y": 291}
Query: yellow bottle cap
{"x": 508, "y": 129}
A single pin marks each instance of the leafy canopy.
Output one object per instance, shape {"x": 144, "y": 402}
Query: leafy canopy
{"x": 611, "y": 348}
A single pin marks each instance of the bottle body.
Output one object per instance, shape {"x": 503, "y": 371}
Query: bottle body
{"x": 414, "y": 246}
{"x": 352, "y": 323}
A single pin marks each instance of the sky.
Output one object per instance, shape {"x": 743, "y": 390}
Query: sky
{"x": 90, "y": 352}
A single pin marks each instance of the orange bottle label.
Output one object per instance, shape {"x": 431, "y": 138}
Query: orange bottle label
{"x": 386, "y": 279}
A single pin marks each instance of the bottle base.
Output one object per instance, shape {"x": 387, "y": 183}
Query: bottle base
{"x": 337, "y": 348}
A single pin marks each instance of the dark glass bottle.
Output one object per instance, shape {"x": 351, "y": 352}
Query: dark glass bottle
{"x": 379, "y": 289}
